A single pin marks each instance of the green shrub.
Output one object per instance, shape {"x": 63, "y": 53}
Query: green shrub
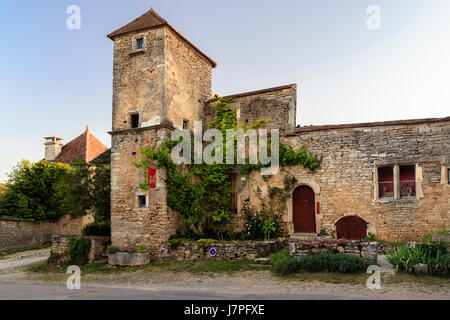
{"x": 97, "y": 229}
{"x": 280, "y": 262}
{"x": 283, "y": 264}
{"x": 346, "y": 263}
{"x": 370, "y": 237}
{"x": 79, "y": 251}
{"x": 141, "y": 248}
{"x": 433, "y": 254}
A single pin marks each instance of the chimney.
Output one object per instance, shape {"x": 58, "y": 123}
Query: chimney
{"x": 53, "y": 146}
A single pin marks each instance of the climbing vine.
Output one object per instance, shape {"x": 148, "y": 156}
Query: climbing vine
{"x": 201, "y": 193}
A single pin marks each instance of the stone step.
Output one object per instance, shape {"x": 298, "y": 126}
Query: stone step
{"x": 303, "y": 236}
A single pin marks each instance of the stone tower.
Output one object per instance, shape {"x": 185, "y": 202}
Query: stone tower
{"x": 161, "y": 82}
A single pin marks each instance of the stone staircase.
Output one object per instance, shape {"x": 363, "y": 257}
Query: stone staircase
{"x": 303, "y": 236}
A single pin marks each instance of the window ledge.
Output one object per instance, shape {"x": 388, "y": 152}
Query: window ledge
{"x": 137, "y": 52}
{"x": 400, "y": 200}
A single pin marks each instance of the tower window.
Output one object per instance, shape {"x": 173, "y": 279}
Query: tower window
{"x": 134, "y": 118}
{"x": 185, "y": 124}
{"x": 142, "y": 201}
{"x": 140, "y": 43}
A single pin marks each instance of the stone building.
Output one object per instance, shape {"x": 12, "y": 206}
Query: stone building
{"x": 388, "y": 178}
{"x": 85, "y": 147}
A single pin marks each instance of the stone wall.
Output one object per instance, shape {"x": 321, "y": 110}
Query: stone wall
{"x": 18, "y": 234}
{"x": 364, "y": 249}
{"x": 189, "y": 251}
{"x": 346, "y": 183}
{"x": 60, "y": 244}
{"x": 277, "y": 105}
{"x": 130, "y": 224}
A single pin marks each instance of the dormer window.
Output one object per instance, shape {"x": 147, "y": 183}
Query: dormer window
{"x": 134, "y": 119}
{"x": 140, "y": 43}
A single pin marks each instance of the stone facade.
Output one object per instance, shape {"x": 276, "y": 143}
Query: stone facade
{"x": 166, "y": 85}
{"x": 18, "y": 234}
{"x": 276, "y": 105}
{"x": 346, "y": 184}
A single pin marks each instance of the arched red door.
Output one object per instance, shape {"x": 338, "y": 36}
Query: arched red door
{"x": 304, "y": 214}
{"x": 351, "y": 228}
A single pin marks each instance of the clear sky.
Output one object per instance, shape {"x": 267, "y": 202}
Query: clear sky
{"x": 55, "y": 81}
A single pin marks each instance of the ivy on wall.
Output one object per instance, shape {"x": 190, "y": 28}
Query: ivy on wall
{"x": 201, "y": 193}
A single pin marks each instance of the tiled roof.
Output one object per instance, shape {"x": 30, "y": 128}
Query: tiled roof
{"x": 104, "y": 158}
{"x": 3, "y": 187}
{"x": 84, "y": 147}
{"x": 149, "y": 20}
{"x": 370, "y": 124}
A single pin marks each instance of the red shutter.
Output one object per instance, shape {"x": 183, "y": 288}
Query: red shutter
{"x": 152, "y": 178}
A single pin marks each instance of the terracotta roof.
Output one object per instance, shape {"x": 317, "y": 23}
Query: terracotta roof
{"x": 370, "y": 124}
{"x": 252, "y": 93}
{"x": 84, "y": 147}
{"x": 3, "y": 187}
{"x": 104, "y": 158}
{"x": 151, "y": 20}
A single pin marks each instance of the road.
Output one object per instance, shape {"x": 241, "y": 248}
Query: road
{"x": 24, "y": 258}
{"x": 21, "y": 291}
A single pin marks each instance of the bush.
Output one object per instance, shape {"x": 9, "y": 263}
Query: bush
{"x": 283, "y": 264}
{"x": 141, "y": 248}
{"x": 79, "y": 251}
{"x": 433, "y": 254}
{"x": 97, "y": 229}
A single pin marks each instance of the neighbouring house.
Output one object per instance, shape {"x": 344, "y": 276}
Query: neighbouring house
{"x": 84, "y": 147}
{"x": 389, "y": 178}
{"x": 3, "y": 187}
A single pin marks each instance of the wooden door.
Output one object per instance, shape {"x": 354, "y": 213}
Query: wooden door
{"x": 304, "y": 210}
{"x": 351, "y": 228}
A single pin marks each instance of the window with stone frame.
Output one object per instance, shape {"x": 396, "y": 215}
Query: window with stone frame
{"x": 134, "y": 120}
{"x": 386, "y": 182}
{"x": 407, "y": 181}
{"x": 140, "y": 43}
{"x": 185, "y": 124}
{"x": 142, "y": 200}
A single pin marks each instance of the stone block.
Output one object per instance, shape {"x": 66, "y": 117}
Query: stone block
{"x": 126, "y": 259}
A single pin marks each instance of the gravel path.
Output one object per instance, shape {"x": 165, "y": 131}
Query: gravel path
{"x": 24, "y": 258}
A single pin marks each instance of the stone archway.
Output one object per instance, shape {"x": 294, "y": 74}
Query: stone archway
{"x": 312, "y": 185}
{"x": 351, "y": 228}
{"x": 304, "y": 214}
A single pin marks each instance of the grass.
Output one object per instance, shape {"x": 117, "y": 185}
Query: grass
{"x": 207, "y": 265}
{"x": 9, "y": 252}
{"x": 199, "y": 266}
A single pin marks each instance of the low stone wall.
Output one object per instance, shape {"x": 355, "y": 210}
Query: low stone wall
{"x": 19, "y": 234}
{"x": 364, "y": 249}
{"x": 224, "y": 251}
{"x": 60, "y": 255}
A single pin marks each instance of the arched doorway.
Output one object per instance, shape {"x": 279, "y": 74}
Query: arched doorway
{"x": 351, "y": 228}
{"x": 304, "y": 214}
